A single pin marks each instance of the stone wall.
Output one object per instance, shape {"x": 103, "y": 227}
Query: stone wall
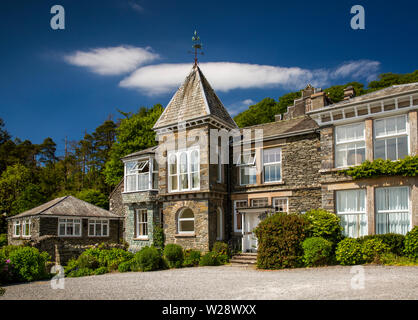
{"x": 116, "y": 201}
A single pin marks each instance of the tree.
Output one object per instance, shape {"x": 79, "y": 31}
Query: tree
{"x": 94, "y": 197}
{"x": 133, "y": 134}
{"x": 336, "y": 93}
{"x": 47, "y": 151}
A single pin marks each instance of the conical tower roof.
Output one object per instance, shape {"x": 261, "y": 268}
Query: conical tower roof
{"x": 193, "y": 100}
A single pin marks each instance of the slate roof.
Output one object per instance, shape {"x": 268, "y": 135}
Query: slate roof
{"x": 396, "y": 89}
{"x": 286, "y": 127}
{"x": 140, "y": 153}
{"x": 194, "y": 99}
{"x": 67, "y": 206}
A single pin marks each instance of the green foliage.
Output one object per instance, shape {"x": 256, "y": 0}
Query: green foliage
{"x": 191, "y": 258}
{"x": 88, "y": 261}
{"x": 81, "y": 272}
{"x": 221, "y": 248}
{"x": 391, "y": 259}
{"x": 394, "y": 241}
{"x": 174, "y": 255}
{"x": 336, "y": 93}
{"x": 317, "y": 251}
{"x": 149, "y": 259}
{"x": 389, "y": 79}
{"x": 28, "y": 264}
{"x": 209, "y": 259}
{"x": 3, "y": 240}
{"x": 407, "y": 167}
{"x": 411, "y": 243}
{"x": 158, "y": 237}
{"x": 94, "y": 197}
{"x": 280, "y": 240}
{"x": 349, "y": 252}
{"x": 100, "y": 270}
{"x": 324, "y": 224}
{"x": 2, "y": 291}
{"x": 127, "y": 266}
{"x": 371, "y": 249}
{"x": 133, "y": 134}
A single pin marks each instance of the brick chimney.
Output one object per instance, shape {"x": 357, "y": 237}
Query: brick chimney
{"x": 349, "y": 93}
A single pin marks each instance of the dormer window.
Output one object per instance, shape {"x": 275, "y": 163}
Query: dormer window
{"x": 140, "y": 175}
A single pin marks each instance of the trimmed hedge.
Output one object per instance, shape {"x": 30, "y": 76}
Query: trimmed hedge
{"x": 280, "y": 238}
{"x": 394, "y": 241}
{"x": 210, "y": 259}
{"x": 191, "y": 258}
{"x": 149, "y": 259}
{"x": 221, "y": 248}
{"x": 349, "y": 252}
{"x": 324, "y": 224}
{"x": 411, "y": 243}
{"x": 372, "y": 248}
{"x": 317, "y": 251}
{"x": 174, "y": 255}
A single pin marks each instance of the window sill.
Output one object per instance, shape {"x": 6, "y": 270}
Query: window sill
{"x": 185, "y": 235}
{"x": 141, "y": 238}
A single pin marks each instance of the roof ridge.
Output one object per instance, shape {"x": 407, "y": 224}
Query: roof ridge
{"x": 47, "y": 208}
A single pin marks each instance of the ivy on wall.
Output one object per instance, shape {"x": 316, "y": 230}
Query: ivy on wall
{"x": 407, "y": 167}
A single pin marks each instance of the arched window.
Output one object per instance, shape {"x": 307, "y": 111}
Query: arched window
{"x": 184, "y": 176}
{"x": 194, "y": 169}
{"x": 172, "y": 171}
{"x": 186, "y": 221}
{"x": 219, "y": 224}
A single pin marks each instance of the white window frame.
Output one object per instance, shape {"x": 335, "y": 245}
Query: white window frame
{"x": 65, "y": 222}
{"x": 250, "y": 165}
{"x": 385, "y": 137}
{"x": 26, "y": 223}
{"x": 141, "y": 223}
{"x": 273, "y": 200}
{"x": 263, "y": 200}
{"x": 347, "y": 142}
{"x": 139, "y": 166}
{"x": 219, "y": 233}
{"x": 395, "y": 211}
{"x": 357, "y": 213}
{"x": 274, "y": 163}
{"x": 17, "y": 223}
{"x": 189, "y": 172}
{"x": 235, "y": 214}
{"x": 95, "y": 222}
{"x": 180, "y": 219}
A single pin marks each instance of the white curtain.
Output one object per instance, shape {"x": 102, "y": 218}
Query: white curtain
{"x": 392, "y": 210}
{"x": 352, "y": 212}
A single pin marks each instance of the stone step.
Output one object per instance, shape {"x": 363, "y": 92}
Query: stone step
{"x": 242, "y": 261}
{"x": 244, "y": 257}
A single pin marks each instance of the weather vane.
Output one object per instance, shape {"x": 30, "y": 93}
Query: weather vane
{"x": 197, "y": 45}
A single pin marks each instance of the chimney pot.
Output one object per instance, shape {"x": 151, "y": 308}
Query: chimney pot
{"x": 349, "y": 93}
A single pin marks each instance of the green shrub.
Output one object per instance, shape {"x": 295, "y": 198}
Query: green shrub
{"x": 223, "y": 258}
{"x": 394, "y": 241}
{"x": 158, "y": 237}
{"x": 113, "y": 257}
{"x": 99, "y": 271}
{"x": 81, "y": 272}
{"x": 371, "y": 249}
{"x": 411, "y": 243}
{"x": 324, "y": 224}
{"x": 149, "y": 259}
{"x": 72, "y": 264}
{"x": 280, "y": 240}
{"x": 87, "y": 261}
{"x": 209, "y": 259}
{"x": 221, "y": 248}
{"x": 191, "y": 258}
{"x": 349, "y": 252}
{"x": 391, "y": 259}
{"x": 317, "y": 251}
{"x": 28, "y": 264}
{"x": 125, "y": 266}
{"x": 174, "y": 255}
{"x": 5, "y": 269}
{"x": 3, "y": 240}
{"x": 2, "y": 291}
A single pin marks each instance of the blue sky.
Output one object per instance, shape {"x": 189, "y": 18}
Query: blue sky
{"x": 123, "y": 54}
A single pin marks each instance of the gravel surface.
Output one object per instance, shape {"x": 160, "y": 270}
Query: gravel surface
{"x": 231, "y": 282}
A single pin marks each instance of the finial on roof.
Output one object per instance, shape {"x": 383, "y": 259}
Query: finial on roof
{"x": 197, "y": 45}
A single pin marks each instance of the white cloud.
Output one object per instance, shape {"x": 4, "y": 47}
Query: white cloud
{"x": 239, "y": 106}
{"x": 135, "y": 6}
{"x": 226, "y": 76}
{"x": 112, "y": 60}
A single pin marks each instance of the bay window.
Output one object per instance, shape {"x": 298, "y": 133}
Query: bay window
{"x": 272, "y": 163}
{"x": 392, "y": 210}
{"x": 184, "y": 170}
{"x": 99, "y": 228}
{"x": 391, "y": 138}
{"x": 247, "y": 168}
{"x": 350, "y": 146}
{"x": 69, "y": 227}
{"x": 141, "y": 175}
{"x": 351, "y": 208}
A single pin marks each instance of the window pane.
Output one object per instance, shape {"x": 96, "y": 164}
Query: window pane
{"x": 401, "y": 124}
{"x": 131, "y": 183}
{"x": 187, "y": 226}
{"x": 174, "y": 185}
{"x": 187, "y": 213}
{"x": 379, "y": 126}
{"x": 195, "y": 180}
{"x": 183, "y": 163}
{"x": 391, "y": 126}
{"x": 91, "y": 229}
{"x": 70, "y": 229}
{"x": 77, "y": 229}
{"x": 184, "y": 181}
{"x": 379, "y": 149}
{"x": 62, "y": 229}
{"x": 402, "y": 147}
{"x": 391, "y": 149}
{"x": 105, "y": 229}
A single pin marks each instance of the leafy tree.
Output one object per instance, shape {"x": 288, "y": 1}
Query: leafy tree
{"x": 336, "y": 93}
{"x": 133, "y": 134}
{"x": 94, "y": 197}
{"x": 47, "y": 151}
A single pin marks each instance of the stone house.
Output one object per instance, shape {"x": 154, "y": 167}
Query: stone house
{"x": 207, "y": 180}
{"x": 64, "y": 222}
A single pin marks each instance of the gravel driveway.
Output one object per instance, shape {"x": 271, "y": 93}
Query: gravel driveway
{"x": 230, "y": 282}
